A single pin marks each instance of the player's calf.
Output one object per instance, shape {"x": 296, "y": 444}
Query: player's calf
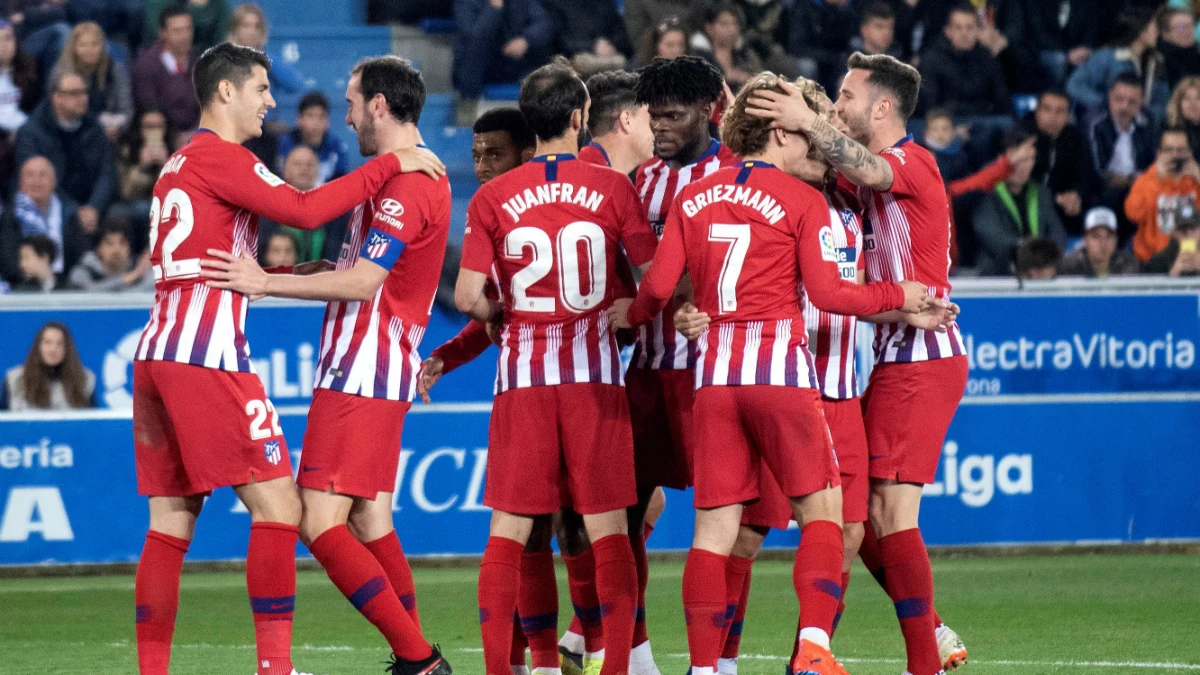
{"x": 616, "y": 584}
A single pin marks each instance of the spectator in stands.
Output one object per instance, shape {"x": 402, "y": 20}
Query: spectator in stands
{"x": 667, "y": 41}
{"x": 1038, "y": 259}
{"x": 946, "y": 145}
{"x": 279, "y": 251}
{"x": 818, "y": 34}
{"x": 110, "y": 92}
{"x": 62, "y": 131}
{"x": 1170, "y": 185}
{"x": 1177, "y": 43}
{"x": 1051, "y": 36}
{"x": 594, "y": 40}
{"x": 1098, "y": 257}
{"x": 312, "y": 130}
{"x": 766, "y": 32}
{"x": 162, "y": 75}
{"x": 42, "y": 27}
{"x": 877, "y": 31}
{"x": 52, "y": 378}
{"x": 1133, "y": 53}
{"x": 965, "y": 194}
{"x": 20, "y": 92}
{"x": 35, "y": 260}
{"x": 1063, "y": 164}
{"x": 1180, "y": 257}
{"x": 301, "y": 170}
{"x": 502, "y": 141}
{"x": 643, "y": 17}
{"x": 1016, "y": 210}
{"x": 142, "y": 157}
{"x": 111, "y": 265}
{"x": 497, "y": 41}
{"x": 1183, "y": 111}
{"x": 1122, "y": 145}
{"x": 38, "y": 210}
{"x": 210, "y": 19}
{"x": 248, "y": 28}
{"x": 720, "y": 42}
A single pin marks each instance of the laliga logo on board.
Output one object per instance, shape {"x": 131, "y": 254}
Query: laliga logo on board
{"x": 975, "y": 478}
{"x": 35, "y": 509}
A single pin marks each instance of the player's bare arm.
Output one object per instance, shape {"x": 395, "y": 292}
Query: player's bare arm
{"x": 243, "y": 274}
{"x": 849, "y": 157}
{"x": 470, "y": 298}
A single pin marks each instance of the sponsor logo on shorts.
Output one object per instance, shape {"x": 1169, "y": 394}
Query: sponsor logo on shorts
{"x": 272, "y": 453}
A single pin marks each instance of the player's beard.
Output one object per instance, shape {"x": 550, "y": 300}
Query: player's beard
{"x": 367, "y": 145}
{"x": 858, "y": 128}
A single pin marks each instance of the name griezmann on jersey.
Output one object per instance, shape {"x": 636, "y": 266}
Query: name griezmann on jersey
{"x": 736, "y": 194}
{"x": 552, "y": 193}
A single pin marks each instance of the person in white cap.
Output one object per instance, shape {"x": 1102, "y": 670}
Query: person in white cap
{"x": 1099, "y": 257}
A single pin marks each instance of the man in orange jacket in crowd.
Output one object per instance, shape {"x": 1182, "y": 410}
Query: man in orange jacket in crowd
{"x": 1171, "y": 184}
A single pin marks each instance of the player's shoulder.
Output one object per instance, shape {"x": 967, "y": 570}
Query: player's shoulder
{"x": 911, "y": 154}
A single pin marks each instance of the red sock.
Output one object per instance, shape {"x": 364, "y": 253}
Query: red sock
{"x": 271, "y": 581}
{"x": 516, "y": 653}
{"x": 704, "y": 601}
{"x": 390, "y": 555}
{"x": 576, "y": 627}
{"x": 499, "y": 582}
{"x": 837, "y": 618}
{"x": 537, "y": 603}
{"x": 581, "y": 581}
{"x": 638, "y": 545}
{"x": 156, "y": 600}
{"x": 360, "y": 578}
{"x": 616, "y": 587}
{"x": 871, "y": 556}
{"x": 910, "y": 583}
{"x": 737, "y": 594}
{"x": 937, "y": 620}
{"x": 817, "y": 574}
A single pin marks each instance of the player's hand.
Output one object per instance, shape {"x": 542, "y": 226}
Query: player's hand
{"x": 729, "y": 97}
{"x": 420, "y": 159}
{"x": 313, "y": 267}
{"x": 936, "y": 320}
{"x": 786, "y": 111}
{"x": 241, "y": 274}
{"x": 431, "y": 372}
{"x": 690, "y": 321}
{"x": 495, "y": 332}
{"x": 618, "y": 314}
{"x": 917, "y": 298}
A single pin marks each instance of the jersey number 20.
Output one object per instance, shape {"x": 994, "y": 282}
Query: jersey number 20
{"x": 579, "y": 246}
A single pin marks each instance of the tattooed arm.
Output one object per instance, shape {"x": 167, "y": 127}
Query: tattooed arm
{"x": 851, "y": 158}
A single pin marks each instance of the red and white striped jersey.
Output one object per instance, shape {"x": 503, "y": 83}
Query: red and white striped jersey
{"x": 750, "y": 235}
{"x": 659, "y": 345}
{"x": 552, "y": 228}
{"x": 209, "y": 194}
{"x": 370, "y": 348}
{"x": 906, "y": 232}
{"x": 832, "y": 337}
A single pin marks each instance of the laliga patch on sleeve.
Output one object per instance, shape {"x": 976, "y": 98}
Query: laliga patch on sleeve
{"x": 265, "y": 174}
{"x": 381, "y": 248}
{"x": 828, "y": 248}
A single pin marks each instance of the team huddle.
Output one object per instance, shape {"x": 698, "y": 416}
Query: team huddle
{"x": 758, "y": 251}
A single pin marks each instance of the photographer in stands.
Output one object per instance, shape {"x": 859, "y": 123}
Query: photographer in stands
{"x": 52, "y": 378}
{"x": 1180, "y": 257}
{"x": 1172, "y": 182}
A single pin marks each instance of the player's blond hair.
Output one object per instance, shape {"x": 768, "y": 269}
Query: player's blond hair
{"x": 746, "y": 134}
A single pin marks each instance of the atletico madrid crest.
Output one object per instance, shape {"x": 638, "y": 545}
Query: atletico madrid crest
{"x": 271, "y": 450}
{"x": 377, "y": 246}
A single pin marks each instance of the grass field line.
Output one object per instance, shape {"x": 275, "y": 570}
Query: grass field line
{"x": 1146, "y": 665}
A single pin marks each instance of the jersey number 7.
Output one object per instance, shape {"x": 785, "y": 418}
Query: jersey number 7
{"x": 738, "y": 239}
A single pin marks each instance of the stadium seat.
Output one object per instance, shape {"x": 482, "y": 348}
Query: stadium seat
{"x": 437, "y": 25}
{"x": 507, "y": 91}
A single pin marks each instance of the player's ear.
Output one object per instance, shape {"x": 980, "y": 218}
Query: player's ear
{"x": 577, "y": 120}
{"x": 625, "y": 121}
{"x": 225, "y": 90}
{"x": 782, "y": 138}
{"x": 527, "y": 154}
{"x": 707, "y": 110}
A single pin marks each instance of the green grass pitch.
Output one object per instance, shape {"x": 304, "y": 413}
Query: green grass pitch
{"x": 1075, "y": 614}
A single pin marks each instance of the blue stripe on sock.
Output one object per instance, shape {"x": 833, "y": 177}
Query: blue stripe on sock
{"x": 141, "y": 613}
{"x": 911, "y": 607}
{"x": 837, "y": 618}
{"x": 587, "y": 615}
{"x": 281, "y": 605}
{"x": 530, "y": 624}
{"x": 367, "y": 592}
{"x": 735, "y": 629}
{"x": 730, "y": 610}
{"x": 831, "y": 588}
{"x": 484, "y": 615}
{"x": 409, "y": 600}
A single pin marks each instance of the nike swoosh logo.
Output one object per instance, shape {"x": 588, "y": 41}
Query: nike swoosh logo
{"x": 306, "y": 469}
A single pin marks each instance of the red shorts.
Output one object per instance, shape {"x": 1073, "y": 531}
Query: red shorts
{"x": 772, "y": 509}
{"x": 845, "y": 419}
{"x": 907, "y": 410}
{"x": 352, "y": 444}
{"x": 536, "y": 432}
{"x": 740, "y": 428}
{"x": 660, "y": 407}
{"x": 197, "y": 429}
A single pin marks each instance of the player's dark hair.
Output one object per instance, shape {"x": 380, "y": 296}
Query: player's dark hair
{"x": 36, "y": 378}
{"x": 1036, "y": 253}
{"x": 548, "y": 97}
{"x": 313, "y": 99}
{"x": 876, "y": 10}
{"x": 687, "y": 80}
{"x": 170, "y": 12}
{"x": 509, "y": 120}
{"x": 611, "y": 93}
{"x": 1128, "y": 79}
{"x": 892, "y": 75}
{"x": 395, "y": 78}
{"x": 225, "y": 61}
{"x": 43, "y": 246}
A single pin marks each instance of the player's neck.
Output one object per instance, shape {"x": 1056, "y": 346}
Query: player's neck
{"x": 620, "y": 156}
{"x": 393, "y": 137}
{"x": 225, "y": 129}
{"x": 886, "y": 137}
{"x": 690, "y": 155}
{"x": 567, "y": 144}
{"x": 771, "y": 154}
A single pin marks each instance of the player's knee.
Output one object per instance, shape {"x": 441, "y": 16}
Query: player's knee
{"x": 852, "y": 536}
{"x": 572, "y": 535}
{"x": 601, "y": 525}
{"x": 540, "y": 535}
{"x": 822, "y": 505}
{"x": 749, "y": 541}
{"x": 717, "y": 529}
